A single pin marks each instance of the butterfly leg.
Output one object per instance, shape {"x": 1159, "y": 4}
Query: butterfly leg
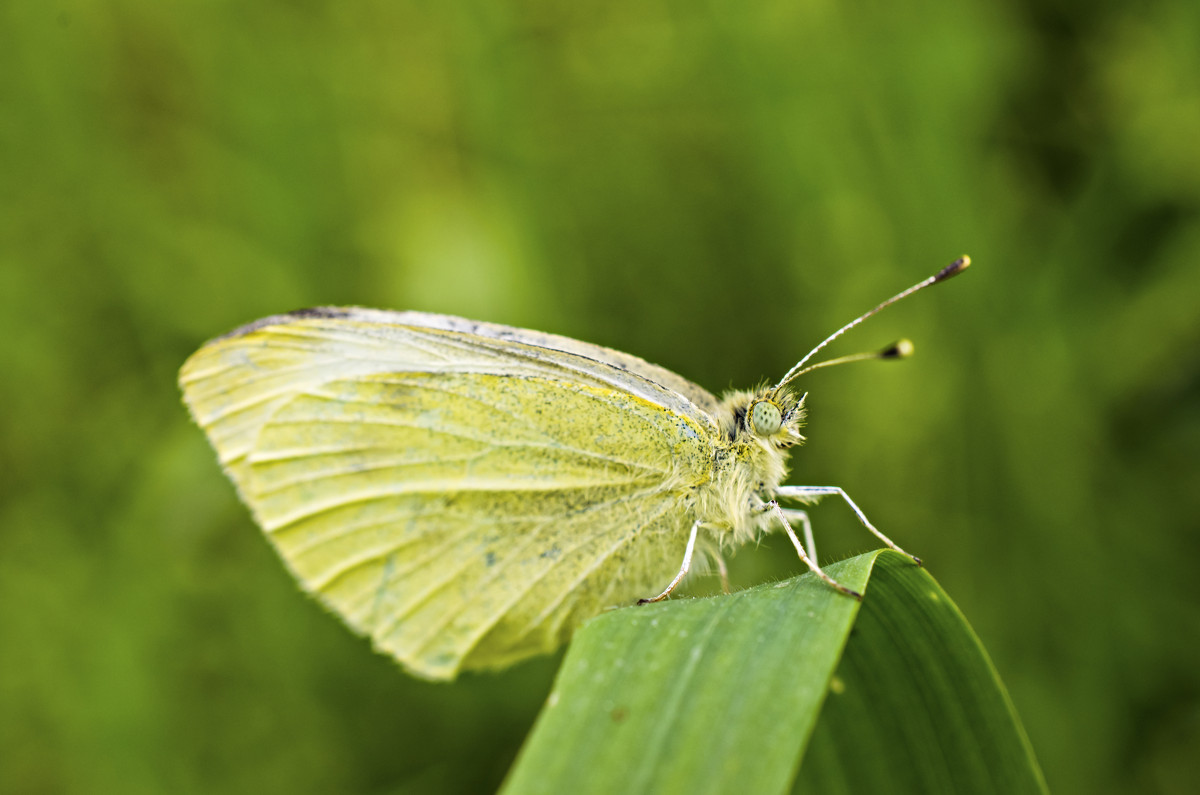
{"x": 712, "y": 550}
{"x": 812, "y": 564}
{"x": 810, "y": 544}
{"x": 722, "y": 569}
{"x": 816, "y": 492}
{"x": 683, "y": 570}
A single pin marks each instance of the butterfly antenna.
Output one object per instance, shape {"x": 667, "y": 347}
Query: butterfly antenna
{"x": 896, "y": 351}
{"x": 900, "y": 349}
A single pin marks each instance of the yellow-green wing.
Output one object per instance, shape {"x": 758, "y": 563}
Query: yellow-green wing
{"x": 464, "y": 508}
{"x": 619, "y": 360}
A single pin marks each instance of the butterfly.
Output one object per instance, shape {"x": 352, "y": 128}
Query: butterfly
{"x": 466, "y": 494}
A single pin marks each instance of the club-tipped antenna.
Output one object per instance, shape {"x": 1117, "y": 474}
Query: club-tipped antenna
{"x": 900, "y": 349}
{"x": 953, "y": 269}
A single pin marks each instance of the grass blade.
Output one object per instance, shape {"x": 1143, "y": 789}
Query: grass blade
{"x": 723, "y": 694}
{"x": 915, "y": 705}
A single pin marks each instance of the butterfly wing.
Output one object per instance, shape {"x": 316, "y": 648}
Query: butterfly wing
{"x": 465, "y": 500}
{"x": 619, "y": 360}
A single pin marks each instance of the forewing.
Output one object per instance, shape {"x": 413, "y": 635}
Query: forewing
{"x": 462, "y": 518}
{"x": 619, "y": 360}
{"x": 617, "y": 368}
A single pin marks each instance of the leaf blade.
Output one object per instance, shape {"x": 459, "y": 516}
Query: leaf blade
{"x": 724, "y": 694}
{"x": 611, "y": 725}
{"x": 917, "y": 695}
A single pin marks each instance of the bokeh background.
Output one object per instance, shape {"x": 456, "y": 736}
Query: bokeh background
{"x": 712, "y": 185}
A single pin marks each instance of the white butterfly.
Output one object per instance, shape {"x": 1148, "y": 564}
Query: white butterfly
{"x": 467, "y": 494}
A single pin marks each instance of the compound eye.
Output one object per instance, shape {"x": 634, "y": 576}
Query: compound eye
{"x": 765, "y": 418}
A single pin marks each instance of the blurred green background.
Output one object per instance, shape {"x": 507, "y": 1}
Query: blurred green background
{"x": 714, "y": 186}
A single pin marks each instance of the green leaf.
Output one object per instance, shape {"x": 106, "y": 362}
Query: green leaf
{"x": 725, "y": 694}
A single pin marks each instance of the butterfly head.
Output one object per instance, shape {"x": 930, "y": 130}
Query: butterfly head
{"x": 775, "y": 420}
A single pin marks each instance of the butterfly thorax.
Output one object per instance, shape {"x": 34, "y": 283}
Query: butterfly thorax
{"x": 757, "y": 432}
